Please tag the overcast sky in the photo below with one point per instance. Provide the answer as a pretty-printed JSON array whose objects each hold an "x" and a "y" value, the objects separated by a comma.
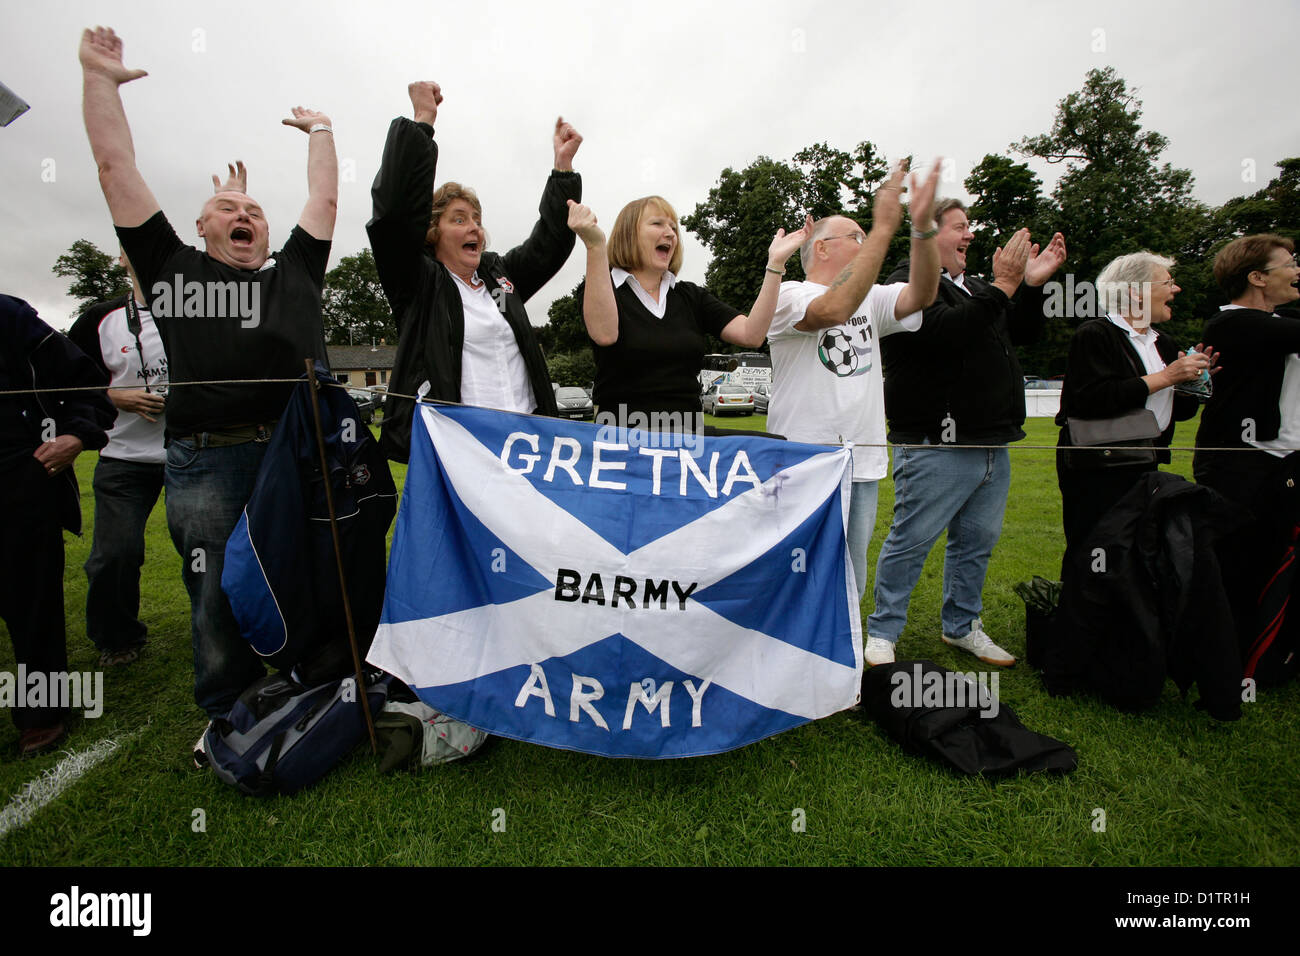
[{"x": 666, "y": 96}]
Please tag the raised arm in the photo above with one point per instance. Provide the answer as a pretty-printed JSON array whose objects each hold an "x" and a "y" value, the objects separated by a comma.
[
  {"x": 835, "y": 306},
  {"x": 599, "y": 310},
  {"x": 750, "y": 330},
  {"x": 317, "y": 218},
  {"x": 923, "y": 267},
  {"x": 402, "y": 197},
  {"x": 130, "y": 201},
  {"x": 533, "y": 262}
]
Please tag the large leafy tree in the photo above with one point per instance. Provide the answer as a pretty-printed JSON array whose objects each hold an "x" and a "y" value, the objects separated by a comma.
[
  {"x": 354, "y": 308},
  {"x": 745, "y": 208},
  {"x": 1115, "y": 196},
  {"x": 96, "y": 275},
  {"x": 564, "y": 340}
]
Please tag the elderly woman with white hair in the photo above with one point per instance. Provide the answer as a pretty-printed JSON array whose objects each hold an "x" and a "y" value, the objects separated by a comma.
[{"x": 1119, "y": 390}]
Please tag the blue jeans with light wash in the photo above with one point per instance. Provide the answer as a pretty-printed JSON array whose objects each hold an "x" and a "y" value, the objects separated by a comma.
[
  {"x": 207, "y": 489},
  {"x": 125, "y": 493},
  {"x": 862, "y": 521},
  {"x": 963, "y": 490}
]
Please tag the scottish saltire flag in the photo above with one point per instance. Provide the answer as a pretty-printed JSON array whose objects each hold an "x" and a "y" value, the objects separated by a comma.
[{"x": 620, "y": 593}]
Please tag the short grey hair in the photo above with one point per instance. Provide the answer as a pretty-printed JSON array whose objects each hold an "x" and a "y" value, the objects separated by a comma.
[
  {"x": 1122, "y": 274},
  {"x": 820, "y": 228},
  {"x": 943, "y": 206}
]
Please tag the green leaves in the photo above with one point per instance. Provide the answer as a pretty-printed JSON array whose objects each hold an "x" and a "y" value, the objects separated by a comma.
[{"x": 96, "y": 275}]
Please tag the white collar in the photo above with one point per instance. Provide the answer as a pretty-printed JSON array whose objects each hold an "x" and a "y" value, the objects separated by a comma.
[
  {"x": 1132, "y": 332},
  {"x": 622, "y": 275}
]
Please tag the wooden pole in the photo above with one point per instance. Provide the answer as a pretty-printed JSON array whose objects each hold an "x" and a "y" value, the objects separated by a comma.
[{"x": 338, "y": 555}]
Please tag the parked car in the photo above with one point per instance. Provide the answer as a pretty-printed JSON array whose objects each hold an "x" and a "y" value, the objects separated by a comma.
[
  {"x": 365, "y": 403},
  {"x": 728, "y": 400},
  {"x": 761, "y": 394},
  {"x": 574, "y": 403}
]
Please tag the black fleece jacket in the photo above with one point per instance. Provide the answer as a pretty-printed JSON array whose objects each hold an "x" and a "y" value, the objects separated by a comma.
[
  {"x": 423, "y": 296},
  {"x": 961, "y": 365}
]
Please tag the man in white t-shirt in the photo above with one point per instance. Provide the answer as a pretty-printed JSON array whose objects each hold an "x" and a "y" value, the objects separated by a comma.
[
  {"x": 827, "y": 386},
  {"x": 121, "y": 338}
]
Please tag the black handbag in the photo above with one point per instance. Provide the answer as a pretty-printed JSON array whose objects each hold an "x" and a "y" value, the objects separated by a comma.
[{"x": 1130, "y": 437}]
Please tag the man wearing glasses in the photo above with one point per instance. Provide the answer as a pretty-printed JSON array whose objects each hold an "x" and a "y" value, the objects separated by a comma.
[
  {"x": 826, "y": 380},
  {"x": 956, "y": 381}
]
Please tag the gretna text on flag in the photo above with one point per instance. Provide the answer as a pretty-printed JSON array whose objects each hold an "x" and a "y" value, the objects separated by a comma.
[{"x": 615, "y": 597}]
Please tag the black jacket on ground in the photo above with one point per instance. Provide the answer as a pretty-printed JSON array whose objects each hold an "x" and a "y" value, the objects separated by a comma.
[
  {"x": 422, "y": 293},
  {"x": 1143, "y": 600},
  {"x": 961, "y": 363}
]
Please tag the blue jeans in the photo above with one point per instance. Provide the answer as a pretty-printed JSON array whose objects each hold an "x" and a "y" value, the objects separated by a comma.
[
  {"x": 862, "y": 521},
  {"x": 125, "y": 493},
  {"x": 963, "y": 490},
  {"x": 207, "y": 489}
]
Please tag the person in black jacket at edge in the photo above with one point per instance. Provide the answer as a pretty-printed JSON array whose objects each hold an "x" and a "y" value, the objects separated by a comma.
[
  {"x": 1256, "y": 408},
  {"x": 40, "y": 437},
  {"x": 1117, "y": 364},
  {"x": 956, "y": 380},
  {"x": 459, "y": 309}
]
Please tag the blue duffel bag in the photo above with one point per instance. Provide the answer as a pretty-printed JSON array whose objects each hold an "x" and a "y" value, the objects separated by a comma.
[{"x": 282, "y": 736}]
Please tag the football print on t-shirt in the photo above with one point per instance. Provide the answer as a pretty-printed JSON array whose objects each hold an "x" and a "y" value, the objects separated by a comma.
[{"x": 846, "y": 349}]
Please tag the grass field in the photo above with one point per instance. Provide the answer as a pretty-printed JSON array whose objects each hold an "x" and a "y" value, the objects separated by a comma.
[{"x": 1176, "y": 788}]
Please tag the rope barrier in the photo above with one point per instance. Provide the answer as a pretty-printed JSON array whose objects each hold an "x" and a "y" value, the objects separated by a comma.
[{"x": 372, "y": 389}]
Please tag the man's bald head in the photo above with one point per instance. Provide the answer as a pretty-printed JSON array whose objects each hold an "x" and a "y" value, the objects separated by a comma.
[{"x": 234, "y": 230}]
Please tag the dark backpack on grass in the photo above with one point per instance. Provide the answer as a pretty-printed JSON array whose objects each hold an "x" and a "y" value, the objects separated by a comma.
[{"x": 282, "y": 736}]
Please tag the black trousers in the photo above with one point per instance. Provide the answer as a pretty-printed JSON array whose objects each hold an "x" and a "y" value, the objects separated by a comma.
[
  {"x": 1256, "y": 481},
  {"x": 31, "y": 580}
]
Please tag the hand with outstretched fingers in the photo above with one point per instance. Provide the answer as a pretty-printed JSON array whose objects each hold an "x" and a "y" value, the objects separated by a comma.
[
  {"x": 1041, "y": 266},
  {"x": 785, "y": 244},
  {"x": 305, "y": 119},
  {"x": 101, "y": 52},
  {"x": 887, "y": 208},
  {"x": 236, "y": 182}
]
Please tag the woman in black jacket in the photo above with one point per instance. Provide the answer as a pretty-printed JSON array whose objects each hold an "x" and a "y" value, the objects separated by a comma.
[
  {"x": 1255, "y": 408},
  {"x": 1118, "y": 364},
  {"x": 460, "y": 309}
]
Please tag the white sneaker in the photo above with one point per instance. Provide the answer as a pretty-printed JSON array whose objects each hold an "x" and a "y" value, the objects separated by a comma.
[
  {"x": 979, "y": 644},
  {"x": 879, "y": 651},
  {"x": 200, "y": 751}
]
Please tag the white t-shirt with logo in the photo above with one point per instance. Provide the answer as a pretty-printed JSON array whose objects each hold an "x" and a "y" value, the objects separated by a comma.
[
  {"x": 827, "y": 384},
  {"x": 132, "y": 438}
]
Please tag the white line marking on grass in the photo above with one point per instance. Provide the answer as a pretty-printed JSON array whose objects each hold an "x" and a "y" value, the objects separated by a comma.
[{"x": 44, "y": 789}]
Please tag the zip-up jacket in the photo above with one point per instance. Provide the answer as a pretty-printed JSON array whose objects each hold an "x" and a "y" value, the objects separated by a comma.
[
  {"x": 425, "y": 302},
  {"x": 33, "y": 355},
  {"x": 960, "y": 366},
  {"x": 280, "y": 572}
]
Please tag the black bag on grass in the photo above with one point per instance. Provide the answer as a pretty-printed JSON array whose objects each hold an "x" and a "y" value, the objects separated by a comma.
[
  {"x": 282, "y": 736},
  {"x": 962, "y": 738}
]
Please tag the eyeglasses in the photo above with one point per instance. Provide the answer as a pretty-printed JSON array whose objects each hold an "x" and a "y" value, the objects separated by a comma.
[
  {"x": 1169, "y": 282},
  {"x": 857, "y": 237},
  {"x": 1295, "y": 261}
]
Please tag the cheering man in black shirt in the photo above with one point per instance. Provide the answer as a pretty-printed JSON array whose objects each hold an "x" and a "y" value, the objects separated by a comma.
[{"x": 230, "y": 312}]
